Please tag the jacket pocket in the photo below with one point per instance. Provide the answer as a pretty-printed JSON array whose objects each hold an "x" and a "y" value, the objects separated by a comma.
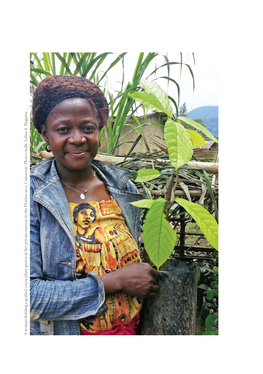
[
  {"x": 42, "y": 328},
  {"x": 46, "y": 327}
]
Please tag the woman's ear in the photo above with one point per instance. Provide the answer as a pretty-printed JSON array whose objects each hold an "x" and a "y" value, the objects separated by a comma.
[{"x": 44, "y": 133}]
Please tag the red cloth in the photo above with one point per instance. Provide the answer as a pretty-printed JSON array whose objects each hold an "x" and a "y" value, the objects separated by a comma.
[{"x": 119, "y": 329}]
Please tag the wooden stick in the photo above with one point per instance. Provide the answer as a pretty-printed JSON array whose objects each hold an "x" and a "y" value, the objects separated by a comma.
[
  {"x": 210, "y": 167},
  {"x": 178, "y": 193}
]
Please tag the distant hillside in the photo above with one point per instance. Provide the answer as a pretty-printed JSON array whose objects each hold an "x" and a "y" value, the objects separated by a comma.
[{"x": 209, "y": 115}]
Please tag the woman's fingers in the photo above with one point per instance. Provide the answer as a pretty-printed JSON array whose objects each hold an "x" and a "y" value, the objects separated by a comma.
[{"x": 137, "y": 279}]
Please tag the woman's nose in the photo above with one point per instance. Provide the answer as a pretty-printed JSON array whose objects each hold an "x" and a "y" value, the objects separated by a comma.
[{"x": 77, "y": 137}]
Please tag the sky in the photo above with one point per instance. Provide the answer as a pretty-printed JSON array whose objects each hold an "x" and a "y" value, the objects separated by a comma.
[
  {"x": 205, "y": 70},
  {"x": 206, "y": 82}
]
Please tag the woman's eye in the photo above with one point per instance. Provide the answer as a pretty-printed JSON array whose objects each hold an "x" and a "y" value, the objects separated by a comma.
[
  {"x": 63, "y": 130},
  {"x": 89, "y": 128}
]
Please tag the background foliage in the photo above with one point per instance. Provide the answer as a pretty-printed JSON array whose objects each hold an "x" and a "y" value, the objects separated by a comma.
[{"x": 96, "y": 67}]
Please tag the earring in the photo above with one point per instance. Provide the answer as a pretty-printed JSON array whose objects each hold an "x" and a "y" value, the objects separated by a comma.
[
  {"x": 99, "y": 144},
  {"x": 48, "y": 149}
]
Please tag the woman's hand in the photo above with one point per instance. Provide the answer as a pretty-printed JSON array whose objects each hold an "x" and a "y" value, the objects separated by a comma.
[{"x": 137, "y": 279}]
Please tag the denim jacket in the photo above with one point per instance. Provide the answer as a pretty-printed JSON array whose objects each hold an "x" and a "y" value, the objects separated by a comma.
[{"x": 57, "y": 299}]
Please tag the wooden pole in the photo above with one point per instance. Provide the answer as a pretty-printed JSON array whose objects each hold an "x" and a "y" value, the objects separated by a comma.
[
  {"x": 209, "y": 167},
  {"x": 178, "y": 193}
]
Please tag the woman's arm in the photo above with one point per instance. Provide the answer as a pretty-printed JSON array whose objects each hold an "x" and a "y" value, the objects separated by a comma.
[{"x": 66, "y": 300}]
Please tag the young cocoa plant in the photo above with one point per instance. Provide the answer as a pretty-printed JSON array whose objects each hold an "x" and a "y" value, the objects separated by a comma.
[{"x": 158, "y": 235}]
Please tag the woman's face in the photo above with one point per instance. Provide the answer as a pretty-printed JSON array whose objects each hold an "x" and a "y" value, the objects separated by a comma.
[
  {"x": 72, "y": 130},
  {"x": 85, "y": 218}
]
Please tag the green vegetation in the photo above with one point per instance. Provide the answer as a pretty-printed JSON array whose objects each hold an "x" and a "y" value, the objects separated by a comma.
[
  {"x": 208, "y": 283},
  {"x": 158, "y": 235}
]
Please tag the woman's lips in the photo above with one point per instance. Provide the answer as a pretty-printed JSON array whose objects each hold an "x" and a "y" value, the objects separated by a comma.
[{"x": 77, "y": 154}]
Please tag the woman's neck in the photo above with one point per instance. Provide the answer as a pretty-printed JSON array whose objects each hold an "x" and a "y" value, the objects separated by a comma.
[{"x": 75, "y": 177}]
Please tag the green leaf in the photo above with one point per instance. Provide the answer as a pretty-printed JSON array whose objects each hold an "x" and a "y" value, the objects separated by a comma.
[
  {"x": 175, "y": 104},
  {"x": 198, "y": 126},
  {"x": 40, "y": 71},
  {"x": 209, "y": 321},
  {"x": 46, "y": 60},
  {"x": 40, "y": 66},
  {"x": 153, "y": 97},
  {"x": 138, "y": 68},
  {"x": 203, "y": 287},
  {"x": 64, "y": 64},
  {"x": 214, "y": 284},
  {"x": 203, "y": 218},
  {"x": 144, "y": 203},
  {"x": 177, "y": 85},
  {"x": 33, "y": 80},
  {"x": 178, "y": 143},
  {"x": 145, "y": 175},
  {"x": 210, "y": 294},
  {"x": 92, "y": 61},
  {"x": 81, "y": 62},
  {"x": 215, "y": 269},
  {"x": 158, "y": 236},
  {"x": 113, "y": 64},
  {"x": 159, "y": 93},
  {"x": 39, "y": 146},
  {"x": 53, "y": 63},
  {"x": 197, "y": 139},
  {"x": 139, "y": 125},
  {"x": 149, "y": 100}
]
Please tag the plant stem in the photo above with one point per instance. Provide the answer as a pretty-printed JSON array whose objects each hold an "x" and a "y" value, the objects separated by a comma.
[
  {"x": 170, "y": 194},
  {"x": 175, "y": 186}
]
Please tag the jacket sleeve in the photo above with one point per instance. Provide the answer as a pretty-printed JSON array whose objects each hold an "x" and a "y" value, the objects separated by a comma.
[{"x": 59, "y": 299}]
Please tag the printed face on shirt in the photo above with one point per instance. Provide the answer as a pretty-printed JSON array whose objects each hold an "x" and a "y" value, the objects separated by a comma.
[{"x": 85, "y": 217}]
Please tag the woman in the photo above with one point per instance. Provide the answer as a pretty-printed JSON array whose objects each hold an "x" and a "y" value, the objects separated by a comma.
[{"x": 86, "y": 273}]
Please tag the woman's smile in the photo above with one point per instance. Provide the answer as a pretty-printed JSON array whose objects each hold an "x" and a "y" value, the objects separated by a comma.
[{"x": 76, "y": 153}]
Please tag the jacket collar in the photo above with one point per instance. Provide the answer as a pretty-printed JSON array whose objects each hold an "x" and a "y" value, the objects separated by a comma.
[
  {"x": 49, "y": 192},
  {"x": 111, "y": 175}
]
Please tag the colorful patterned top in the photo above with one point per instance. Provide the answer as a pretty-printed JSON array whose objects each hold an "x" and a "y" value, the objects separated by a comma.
[{"x": 104, "y": 244}]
